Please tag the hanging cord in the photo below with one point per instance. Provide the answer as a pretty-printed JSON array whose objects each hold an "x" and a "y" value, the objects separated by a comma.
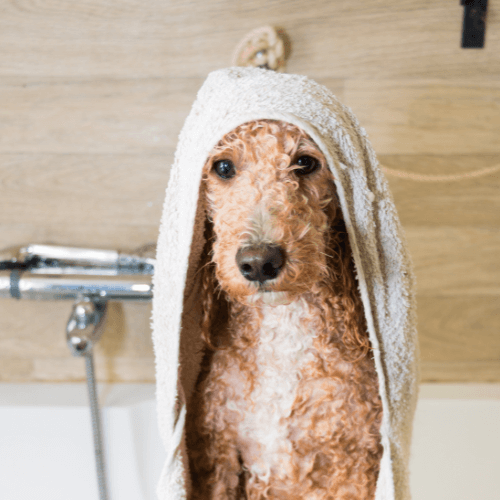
[
  {"x": 439, "y": 178},
  {"x": 263, "y": 48}
]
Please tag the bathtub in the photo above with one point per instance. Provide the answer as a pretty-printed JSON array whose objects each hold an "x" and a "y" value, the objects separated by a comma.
[
  {"x": 46, "y": 450},
  {"x": 46, "y": 446}
]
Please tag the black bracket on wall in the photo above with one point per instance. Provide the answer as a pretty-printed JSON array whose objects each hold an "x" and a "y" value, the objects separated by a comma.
[{"x": 474, "y": 23}]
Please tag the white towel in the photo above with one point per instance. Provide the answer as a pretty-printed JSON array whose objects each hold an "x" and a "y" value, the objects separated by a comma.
[{"x": 229, "y": 98}]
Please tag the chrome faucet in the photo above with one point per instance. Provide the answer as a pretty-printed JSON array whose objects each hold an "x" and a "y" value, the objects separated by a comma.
[
  {"x": 53, "y": 272},
  {"x": 91, "y": 277},
  {"x": 52, "y": 259}
]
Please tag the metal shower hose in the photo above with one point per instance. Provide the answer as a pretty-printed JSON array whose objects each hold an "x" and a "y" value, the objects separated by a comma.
[{"x": 96, "y": 426}]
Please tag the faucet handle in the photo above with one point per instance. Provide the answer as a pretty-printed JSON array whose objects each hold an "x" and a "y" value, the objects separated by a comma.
[{"x": 85, "y": 325}]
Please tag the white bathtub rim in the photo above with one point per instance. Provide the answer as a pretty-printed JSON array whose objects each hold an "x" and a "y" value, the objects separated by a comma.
[{"x": 74, "y": 394}]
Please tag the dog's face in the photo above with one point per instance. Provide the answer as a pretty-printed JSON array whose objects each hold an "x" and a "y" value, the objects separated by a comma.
[{"x": 271, "y": 199}]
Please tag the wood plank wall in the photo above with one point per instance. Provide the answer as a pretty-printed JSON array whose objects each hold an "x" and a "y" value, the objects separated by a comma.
[{"x": 92, "y": 98}]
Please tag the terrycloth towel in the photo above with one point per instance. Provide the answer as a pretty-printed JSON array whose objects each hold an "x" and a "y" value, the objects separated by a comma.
[{"x": 229, "y": 98}]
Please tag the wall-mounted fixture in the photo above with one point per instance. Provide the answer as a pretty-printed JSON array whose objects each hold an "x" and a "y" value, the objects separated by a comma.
[
  {"x": 91, "y": 278},
  {"x": 474, "y": 25}
]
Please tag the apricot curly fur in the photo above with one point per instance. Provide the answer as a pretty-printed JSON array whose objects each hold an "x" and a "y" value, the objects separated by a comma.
[{"x": 290, "y": 357}]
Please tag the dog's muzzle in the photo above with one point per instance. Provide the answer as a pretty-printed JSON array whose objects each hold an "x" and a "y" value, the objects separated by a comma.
[{"x": 260, "y": 262}]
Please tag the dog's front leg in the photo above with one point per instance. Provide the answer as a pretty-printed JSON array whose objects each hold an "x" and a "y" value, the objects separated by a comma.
[
  {"x": 216, "y": 462},
  {"x": 224, "y": 481}
]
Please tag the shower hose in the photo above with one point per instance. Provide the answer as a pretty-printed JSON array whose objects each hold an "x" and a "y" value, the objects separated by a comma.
[{"x": 96, "y": 425}]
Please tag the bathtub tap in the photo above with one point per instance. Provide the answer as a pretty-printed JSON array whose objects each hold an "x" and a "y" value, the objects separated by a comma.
[
  {"x": 91, "y": 277},
  {"x": 49, "y": 272}
]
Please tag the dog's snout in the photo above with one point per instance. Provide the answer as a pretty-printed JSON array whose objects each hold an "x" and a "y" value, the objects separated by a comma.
[{"x": 260, "y": 262}]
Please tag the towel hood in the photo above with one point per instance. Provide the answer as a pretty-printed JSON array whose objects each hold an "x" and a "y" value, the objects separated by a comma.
[{"x": 231, "y": 97}]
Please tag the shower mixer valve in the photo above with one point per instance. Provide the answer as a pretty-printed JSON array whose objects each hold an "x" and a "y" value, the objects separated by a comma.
[
  {"x": 85, "y": 325},
  {"x": 50, "y": 272},
  {"x": 90, "y": 277},
  {"x": 53, "y": 259}
]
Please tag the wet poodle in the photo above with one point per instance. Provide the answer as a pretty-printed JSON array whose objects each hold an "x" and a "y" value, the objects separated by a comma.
[{"x": 287, "y": 403}]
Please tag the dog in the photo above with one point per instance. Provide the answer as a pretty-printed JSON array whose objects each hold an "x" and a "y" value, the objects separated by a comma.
[{"x": 287, "y": 404}]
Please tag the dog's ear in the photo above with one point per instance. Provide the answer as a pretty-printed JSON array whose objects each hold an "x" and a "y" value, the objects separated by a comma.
[
  {"x": 215, "y": 306},
  {"x": 345, "y": 296}
]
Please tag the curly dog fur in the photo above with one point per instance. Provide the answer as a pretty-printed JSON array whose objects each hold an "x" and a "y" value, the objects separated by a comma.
[{"x": 286, "y": 404}]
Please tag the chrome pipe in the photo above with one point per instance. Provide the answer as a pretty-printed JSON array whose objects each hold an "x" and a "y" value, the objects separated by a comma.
[
  {"x": 28, "y": 285},
  {"x": 53, "y": 259}
]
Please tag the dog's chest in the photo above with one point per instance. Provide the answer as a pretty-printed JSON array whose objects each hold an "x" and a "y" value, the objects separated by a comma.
[{"x": 285, "y": 345}]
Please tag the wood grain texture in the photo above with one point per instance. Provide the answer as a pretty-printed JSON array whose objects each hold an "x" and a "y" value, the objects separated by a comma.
[
  {"x": 428, "y": 117},
  {"x": 94, "y": 116},
  {"x": 469, "y": 202},
  {"x": 455, "y": 261},
  {"x": 93, "y": 96},
  {"x": 129, "y": 116},
  {"x": 98, "y": 190},
  {"x": 38, "y": 351},
  {"x": 459, "y": 372},
  {"x": 364, "y": 39},
  {"x": 459, "y": 329},
  {"x": 98, "y": 116}
]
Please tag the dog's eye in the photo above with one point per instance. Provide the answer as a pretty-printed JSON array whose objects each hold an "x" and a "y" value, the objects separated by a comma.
[
  {"x": 224, "y": 169},
  {"x": 308, "y": 164}
]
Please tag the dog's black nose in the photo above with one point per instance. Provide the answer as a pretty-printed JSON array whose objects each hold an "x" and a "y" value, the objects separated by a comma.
[{"x": 260, "y": 262}]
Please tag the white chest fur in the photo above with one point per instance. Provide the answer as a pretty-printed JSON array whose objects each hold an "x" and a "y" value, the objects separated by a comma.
[{"x": 285, "y": 344}]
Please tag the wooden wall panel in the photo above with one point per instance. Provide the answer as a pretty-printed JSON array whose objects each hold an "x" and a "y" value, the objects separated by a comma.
[
  {"x": 88, "y": 190},
  {"x": 93, "y": 96},
  {"x": 459, "y": 328},
  {"x": 33, "y": 343},
  {"x": 94, "y": 116},
  {"x": 456, "y": 261},
  {"x": 471, "y": 202},
  {"x": 110, "y": 116},
  {"x": 459, "y": 372},
  {"x": 428, "y": 117},
  {"x": 163, "y": 38}
]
